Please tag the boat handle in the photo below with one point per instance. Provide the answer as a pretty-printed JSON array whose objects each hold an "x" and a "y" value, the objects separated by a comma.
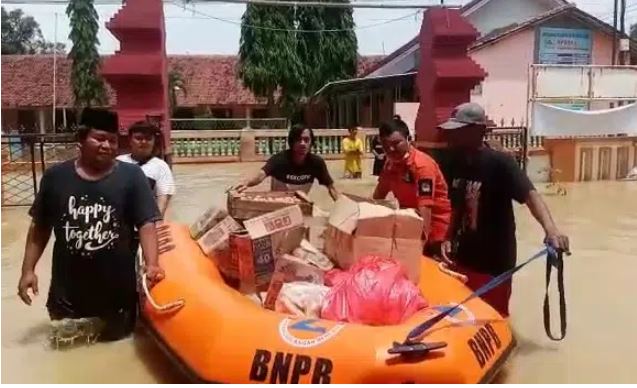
[
  {"x": 170, "y": 306},
  {"x": 179, "y": 303}
]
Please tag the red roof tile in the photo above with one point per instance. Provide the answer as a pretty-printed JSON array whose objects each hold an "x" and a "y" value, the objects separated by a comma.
[{"x": 27, "y": 80}]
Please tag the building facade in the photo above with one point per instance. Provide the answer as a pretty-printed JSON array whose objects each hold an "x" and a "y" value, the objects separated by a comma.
[
  {"x": 513, "y": 35},
  {"x": 209, "y": 89}
]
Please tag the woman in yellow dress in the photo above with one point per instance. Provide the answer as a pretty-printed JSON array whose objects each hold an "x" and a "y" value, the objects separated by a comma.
[{"x": 353, "y": 149}]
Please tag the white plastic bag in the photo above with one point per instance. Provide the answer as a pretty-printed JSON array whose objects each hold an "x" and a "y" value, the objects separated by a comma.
[{"x": 301, "y": 299}]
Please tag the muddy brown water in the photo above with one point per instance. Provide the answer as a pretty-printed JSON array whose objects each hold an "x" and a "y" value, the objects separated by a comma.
[{"x": 600, "y": 218}]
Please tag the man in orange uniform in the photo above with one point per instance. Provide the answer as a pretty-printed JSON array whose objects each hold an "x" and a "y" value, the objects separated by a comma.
[{"x": 416, "y": 181}]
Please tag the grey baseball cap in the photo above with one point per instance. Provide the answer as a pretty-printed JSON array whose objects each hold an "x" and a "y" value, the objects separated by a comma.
[{"x": 465, "y": 114}]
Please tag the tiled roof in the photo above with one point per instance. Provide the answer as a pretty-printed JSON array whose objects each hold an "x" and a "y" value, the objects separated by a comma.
[{"x": 27, "y": 80}]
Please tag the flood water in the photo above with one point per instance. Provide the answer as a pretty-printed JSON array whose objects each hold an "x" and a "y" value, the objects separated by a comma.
[{"x": 600, "y": 218}]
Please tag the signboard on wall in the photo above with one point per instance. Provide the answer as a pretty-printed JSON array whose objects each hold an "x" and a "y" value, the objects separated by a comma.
[{"x": 565, "y": 46}]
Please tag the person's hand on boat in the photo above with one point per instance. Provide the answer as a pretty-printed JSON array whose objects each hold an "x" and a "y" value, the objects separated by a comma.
[
  {"x": 239, "y": 188},
  {"x": 28, "y": 280},
  {"x": 445, "y": 252},
  {"x": 154, "y": 273},
  {"x": 558, "y": 241}
]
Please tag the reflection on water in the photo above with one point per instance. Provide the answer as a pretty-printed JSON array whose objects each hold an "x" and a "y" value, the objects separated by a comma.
[{"x": 600, "y": 218}]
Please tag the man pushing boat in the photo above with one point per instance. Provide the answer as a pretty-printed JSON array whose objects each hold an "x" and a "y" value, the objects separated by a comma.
[
  {"x": 295, "y": 168},
  {"x": 481, "y": 240},
  {"x": 92, "y": 204},
  {"x": 415, "y": 180}
]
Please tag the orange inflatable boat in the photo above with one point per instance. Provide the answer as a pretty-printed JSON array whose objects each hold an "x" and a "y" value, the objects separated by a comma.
[{"x": 218, "y": 335}]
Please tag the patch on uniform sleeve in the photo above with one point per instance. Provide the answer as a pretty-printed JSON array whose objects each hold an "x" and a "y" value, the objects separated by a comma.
[{"x": 425, "y": 187}]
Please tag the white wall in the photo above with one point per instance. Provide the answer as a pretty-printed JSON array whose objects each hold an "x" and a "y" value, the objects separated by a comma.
[{"x": 500, "y": 13}]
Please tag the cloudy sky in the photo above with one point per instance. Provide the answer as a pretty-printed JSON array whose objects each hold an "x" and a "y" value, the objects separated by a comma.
[{"x": 214, "y": 28}]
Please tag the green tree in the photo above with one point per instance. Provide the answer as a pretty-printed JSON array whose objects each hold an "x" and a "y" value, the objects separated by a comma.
[
  {"x": 268, "y": 62},
  {"x": 295, "y": 51},
  {"x": 21, "y": 34},
  {"x": 88, "y": 85},
  {"x": 330, "y": 55}
]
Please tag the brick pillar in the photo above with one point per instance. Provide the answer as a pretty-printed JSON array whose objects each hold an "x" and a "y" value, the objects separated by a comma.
[{"x": 446, "y": 73}]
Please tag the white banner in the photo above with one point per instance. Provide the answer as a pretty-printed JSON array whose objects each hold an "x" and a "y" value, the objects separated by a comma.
[{"x": 552, "y": 121}]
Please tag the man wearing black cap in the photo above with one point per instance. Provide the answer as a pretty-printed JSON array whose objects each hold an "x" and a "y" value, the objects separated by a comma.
[
  {"x": 92, "y": 204},
  {"x": 481, "y": 239}
]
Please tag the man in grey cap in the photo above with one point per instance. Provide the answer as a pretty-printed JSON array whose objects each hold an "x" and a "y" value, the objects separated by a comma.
[{"x": 481, "y": 240}]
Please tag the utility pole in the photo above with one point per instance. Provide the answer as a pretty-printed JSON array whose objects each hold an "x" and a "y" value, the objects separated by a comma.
[
  {"x": 622, "y": 29},
  {"x": 614, "y": 58}
]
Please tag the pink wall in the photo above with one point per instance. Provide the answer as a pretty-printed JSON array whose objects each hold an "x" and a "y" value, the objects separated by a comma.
[
  {"x": 602, "y": 48},
  {"x": 504, "y": 91}
]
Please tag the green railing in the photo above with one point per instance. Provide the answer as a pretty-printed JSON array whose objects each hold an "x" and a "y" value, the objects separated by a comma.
[
  {"x": 199, "y": 124},
  {"x": 205, "y": 144},
  {"x": 327, "y": 142}
]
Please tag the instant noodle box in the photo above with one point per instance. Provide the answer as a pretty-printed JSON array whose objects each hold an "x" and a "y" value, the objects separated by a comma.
[
  {"x": 247, "y": 205},
  {"x": 264, "y": 239}
]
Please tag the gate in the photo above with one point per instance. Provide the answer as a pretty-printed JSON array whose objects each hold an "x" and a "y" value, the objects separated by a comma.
[
  {"x": 25, "y": 157},
  {"x": 514, "y": 140}
]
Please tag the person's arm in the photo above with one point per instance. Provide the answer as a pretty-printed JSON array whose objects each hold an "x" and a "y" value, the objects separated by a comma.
[
  {"x": 37, "y": 238},
  {"x": 162, "y": 204},
  {"x": 145, "y": 214},
  {"x": 165, "y": 188},
  {"x": 433, "y": 204},
  {"x": 324, "y": 178},
  {"x": 333, "y": 192},
  {"x": 253, "y": 180},
  {"x": 523, "y": 191},
  {"x": 541, "y": 213},
  {"x": 382, "y": 187},
  {"x": 268, "y": 169},
  {"x": 360, "y": 146}
]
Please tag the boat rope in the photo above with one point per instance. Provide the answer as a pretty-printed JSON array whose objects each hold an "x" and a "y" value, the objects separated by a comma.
[{"x": 553, "y": 259}]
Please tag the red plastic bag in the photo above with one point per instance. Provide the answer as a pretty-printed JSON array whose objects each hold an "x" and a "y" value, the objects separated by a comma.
[{"x": 374, "y": 291}]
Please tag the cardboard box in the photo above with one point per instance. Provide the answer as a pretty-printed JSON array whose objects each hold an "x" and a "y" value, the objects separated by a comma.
[
  {"x": 207, "y": 220},
  {"x": 255, "y": 249},
  {"x": 214, "y": 243},
  {"x": 316, "y": 224},
  {"x": 309, "y": 254},
  {"x": 247, "y": 205},
  {"x": 359, "y": 228}
]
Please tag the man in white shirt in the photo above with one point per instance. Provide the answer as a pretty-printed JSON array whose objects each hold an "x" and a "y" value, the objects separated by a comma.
[{"x": 144, "y": 145}]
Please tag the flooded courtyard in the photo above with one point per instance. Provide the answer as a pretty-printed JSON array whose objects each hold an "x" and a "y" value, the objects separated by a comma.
[{"x": 600, "y": 219}]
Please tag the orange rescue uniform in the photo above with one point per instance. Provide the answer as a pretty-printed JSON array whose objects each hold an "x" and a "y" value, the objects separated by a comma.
[{"x": 419, "y": 183}]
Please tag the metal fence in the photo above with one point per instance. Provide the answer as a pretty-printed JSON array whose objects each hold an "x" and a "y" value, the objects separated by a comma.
[{"x": 25, "y": 157}]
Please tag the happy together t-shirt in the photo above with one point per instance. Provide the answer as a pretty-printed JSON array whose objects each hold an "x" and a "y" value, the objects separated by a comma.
[
  {"x": 287, "y": 175},
  {"x": 93, "y": 269}
]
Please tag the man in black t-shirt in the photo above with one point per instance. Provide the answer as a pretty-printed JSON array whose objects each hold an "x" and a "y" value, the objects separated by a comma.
[
  {"x": 295, "y": 168},
  {"x": 481, "y": 241},
  {"x": 92, "y": 204}
]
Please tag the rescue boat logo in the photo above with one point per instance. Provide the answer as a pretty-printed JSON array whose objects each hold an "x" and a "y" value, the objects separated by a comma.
[{"x": 307, "y": 333}]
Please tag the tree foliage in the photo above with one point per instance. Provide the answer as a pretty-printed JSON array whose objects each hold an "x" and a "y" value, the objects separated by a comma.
[
  {"x": 88, "y": 86},
  {"x": 21, "y": 34},
  {"x": 295, "y": 51},
  {"x": 267, "y": 59}
]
